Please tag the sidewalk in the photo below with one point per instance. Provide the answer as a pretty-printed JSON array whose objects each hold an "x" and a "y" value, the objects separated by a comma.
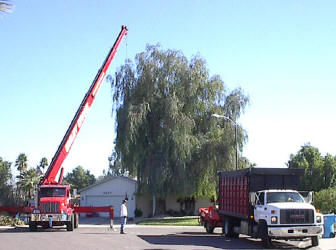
[
  {"x": 102, "y": 221},
  {"x": 87, "y": 222}
]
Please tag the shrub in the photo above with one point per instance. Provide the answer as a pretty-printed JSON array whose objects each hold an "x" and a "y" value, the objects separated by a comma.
[
  {"x": 138, "y": 212},
  {"x": 9, "y": 221},
  {"x": 325, "y": 200},
  {"x": 174, "y": 213}
]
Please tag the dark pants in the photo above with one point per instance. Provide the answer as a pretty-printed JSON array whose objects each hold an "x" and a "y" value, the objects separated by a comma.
[{"x": 123, "y": 223}]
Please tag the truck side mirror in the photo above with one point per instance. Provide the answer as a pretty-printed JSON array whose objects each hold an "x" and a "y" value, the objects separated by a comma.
[
  {"x": 252, "y": 198},
  {"x": 74, "y": 192},
  {"x": 310, "y": 197},
  {"x": 36, "y": 197}
]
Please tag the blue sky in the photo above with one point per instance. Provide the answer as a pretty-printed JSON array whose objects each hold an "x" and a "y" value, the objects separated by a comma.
[{"x": 281, "y": 53}]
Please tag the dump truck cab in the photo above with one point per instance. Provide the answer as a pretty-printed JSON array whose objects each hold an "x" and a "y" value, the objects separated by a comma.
[{"x": 286, "y": 214}]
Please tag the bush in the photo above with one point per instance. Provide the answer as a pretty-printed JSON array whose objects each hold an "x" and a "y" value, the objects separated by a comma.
[
  {"x": 325, "y": 200},
  {"x": 9, "y": 221},
  {"x": 174, "y": 213},
  {"x": 170, "y": 212},
  {"x": 138, "y": 212}
]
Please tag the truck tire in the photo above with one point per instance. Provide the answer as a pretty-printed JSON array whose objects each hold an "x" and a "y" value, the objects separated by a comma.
[
  {"x": 263, "y": 234},
  {"x": 315, "y": 241},
  {"x": 71, "y": 224},
  {"x": 32, "y": 226},
  {"x": 209, "y": 228},
  {"x": 76, "y": 220},
  {"x": 228, "y": 228}
]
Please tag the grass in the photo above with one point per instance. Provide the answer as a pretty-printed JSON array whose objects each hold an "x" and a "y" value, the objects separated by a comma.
[{"x": 170, "y": 222}]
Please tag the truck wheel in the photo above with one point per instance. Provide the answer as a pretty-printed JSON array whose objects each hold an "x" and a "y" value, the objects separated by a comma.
[
  {"x": 228, "y": 228},
  {"x": 209, "y": 228},
  {"x": 71, "y": 224},
  {"x": 315, "y": 241},
  {"x": 45, "y": 225},
  {"x": 76, "y": 220},
  {"x": 32, "y": 226},
  {"x": 263, "y": 233}
]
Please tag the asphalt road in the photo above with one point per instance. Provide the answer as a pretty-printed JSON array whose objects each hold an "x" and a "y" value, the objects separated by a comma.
[{"x": 138, "y": 237}]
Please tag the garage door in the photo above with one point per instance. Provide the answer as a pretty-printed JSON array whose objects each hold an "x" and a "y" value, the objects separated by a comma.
[{"x": 102, "y": 201}]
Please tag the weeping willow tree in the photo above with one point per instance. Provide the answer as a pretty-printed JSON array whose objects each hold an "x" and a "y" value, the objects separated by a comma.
[
  {"x": 6, "y": 6},
  {"x": 166, "y": 136}
]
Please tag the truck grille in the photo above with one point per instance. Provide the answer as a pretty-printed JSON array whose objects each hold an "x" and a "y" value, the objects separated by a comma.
[
  {"x": 296, "y": 216},
  {"x": 50, "y": 207}
]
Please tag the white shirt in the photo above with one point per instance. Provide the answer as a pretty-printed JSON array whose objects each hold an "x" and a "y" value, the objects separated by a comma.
[{"x": 123, "y": 210}]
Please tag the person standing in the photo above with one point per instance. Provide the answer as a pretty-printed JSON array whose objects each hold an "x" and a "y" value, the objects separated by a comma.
[{"x": 123, "y": 216}]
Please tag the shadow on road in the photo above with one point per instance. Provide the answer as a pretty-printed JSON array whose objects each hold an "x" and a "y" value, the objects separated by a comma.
[
  {"x": 26, "y": 230},
  {"x": 199, "y": 239},
  {"x": 207, "y": 240}
]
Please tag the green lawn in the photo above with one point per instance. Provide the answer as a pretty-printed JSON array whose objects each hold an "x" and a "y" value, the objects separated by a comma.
[{"x": 171, "y": 222}]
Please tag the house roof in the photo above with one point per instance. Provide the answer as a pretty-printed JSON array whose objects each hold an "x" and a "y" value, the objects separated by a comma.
[{"x": 106, "y": 179}]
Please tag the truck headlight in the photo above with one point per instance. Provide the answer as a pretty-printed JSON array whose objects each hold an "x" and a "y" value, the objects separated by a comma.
[
  {"x": 318, "y": 218},
  {"x": 274, "y": 219}
]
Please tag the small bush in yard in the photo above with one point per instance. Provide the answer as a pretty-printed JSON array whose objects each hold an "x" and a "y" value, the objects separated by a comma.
[
  {"x": 138, "y": 213},
  {"x": 9, "y": 221},
  {"x": 325, "y": 200}
]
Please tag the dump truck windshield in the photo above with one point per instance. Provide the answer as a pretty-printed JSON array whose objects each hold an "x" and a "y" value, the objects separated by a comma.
[
  {"x": 274, "y": 197},
  {"x": 52, "y": 192}
]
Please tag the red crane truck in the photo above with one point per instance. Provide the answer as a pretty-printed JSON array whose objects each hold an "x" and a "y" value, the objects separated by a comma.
[
  {"x": 263, "y": 203},
  {"x": 53, "y": 201}
]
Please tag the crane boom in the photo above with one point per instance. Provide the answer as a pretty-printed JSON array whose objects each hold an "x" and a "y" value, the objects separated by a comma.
[{"x": 76, "y": 124}]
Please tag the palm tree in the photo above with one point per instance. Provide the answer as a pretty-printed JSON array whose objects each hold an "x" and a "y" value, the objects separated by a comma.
[
  {"x": 5, "y": 6},
  {"x": 27, "y": 183},
  {"x": 21, "y": 163},
  {"x": 43, "y": 164}
]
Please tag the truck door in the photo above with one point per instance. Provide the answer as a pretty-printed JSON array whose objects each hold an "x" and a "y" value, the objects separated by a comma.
[{"x": 259, "y": 206}]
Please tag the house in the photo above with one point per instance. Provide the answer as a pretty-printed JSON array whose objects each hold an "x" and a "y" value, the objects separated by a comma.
[
  {"x": 111, "y": 191},
  {"x": 171, "y": 205}
]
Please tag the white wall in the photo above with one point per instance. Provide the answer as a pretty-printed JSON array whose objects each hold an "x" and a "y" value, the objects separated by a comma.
[{"x": 111, "y": 192}]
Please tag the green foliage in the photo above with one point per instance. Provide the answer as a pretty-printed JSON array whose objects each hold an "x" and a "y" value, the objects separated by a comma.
[
  {"x": 329, "y": 171},
  {"x": 28, "y": 180},
  {"x": 115, "y": 166},
  {"x": 138, "y": 212},
  {"x": 325, "y": 200},
  {"x": 9, "y": 221},
  {"x": 171, "y": 222},
  {"x": 21, "y": 163},
  {"x": 165, "y": 133},
  {"x": 6, "y": 6},
  {"x": 79, "y": 178},
  {"x": 43, "y": 164},
  {"x": 6, "y": 190},
  {"x": 320, "y": 173}
]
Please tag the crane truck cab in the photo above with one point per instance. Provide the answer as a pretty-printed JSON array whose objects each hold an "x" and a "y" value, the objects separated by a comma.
[{"x": 53, "y": 208}]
